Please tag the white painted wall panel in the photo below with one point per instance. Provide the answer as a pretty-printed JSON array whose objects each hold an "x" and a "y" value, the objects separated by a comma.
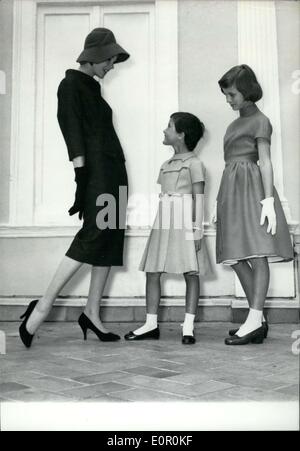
[
  {"x": 130, "y": 91},
  {"x": 60, "y": 39}
]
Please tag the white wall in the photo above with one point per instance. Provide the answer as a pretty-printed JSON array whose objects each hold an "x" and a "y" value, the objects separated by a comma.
[{"x": 288, "y": 32}]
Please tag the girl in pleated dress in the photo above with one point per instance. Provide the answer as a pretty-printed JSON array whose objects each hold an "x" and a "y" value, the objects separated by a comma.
[
  {"x": 251, "y": 226},
  {"x": 175, "y": 242}
]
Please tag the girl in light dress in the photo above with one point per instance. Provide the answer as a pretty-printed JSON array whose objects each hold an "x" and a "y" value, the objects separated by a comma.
[{"x": 175, "y": 244}]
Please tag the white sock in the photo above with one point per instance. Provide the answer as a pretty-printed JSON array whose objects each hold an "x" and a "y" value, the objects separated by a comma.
[
  {"x": 150, "y": 324},
  {"x": 188, "y": 325},
  {"x": 252, "y": 322},
  {"x": 263, "y": 319}
]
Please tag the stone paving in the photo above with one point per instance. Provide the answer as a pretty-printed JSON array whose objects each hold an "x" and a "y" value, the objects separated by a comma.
[{"x": 61, "y": 366}]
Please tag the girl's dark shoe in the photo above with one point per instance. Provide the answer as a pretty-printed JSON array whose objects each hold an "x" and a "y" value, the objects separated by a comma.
[
  {"x": 25, "y": 336},
  {"x": 256, "y": 336},
  {"x": 152, "y": 334},
  {"x": 188, "y": 340},
  {"x": 85, "y": 323},
  {"x": 264, "y": 325}
]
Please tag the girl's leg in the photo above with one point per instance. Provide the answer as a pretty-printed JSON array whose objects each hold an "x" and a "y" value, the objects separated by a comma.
[
  {"x": 152, "y": 302},
  {"x": 153, "y": 292},
  {"x": 192, "y": 298},
  {"x": 192, "y": 293},
  {"x": 99, "y": 275},
  {"x": 245, "y": 274},
  {"x": 261, "y": 278},
  {"x": 64, "y": 272}
]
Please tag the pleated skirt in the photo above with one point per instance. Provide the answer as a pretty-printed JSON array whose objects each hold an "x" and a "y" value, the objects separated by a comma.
[{"x": 170, "y": 247}]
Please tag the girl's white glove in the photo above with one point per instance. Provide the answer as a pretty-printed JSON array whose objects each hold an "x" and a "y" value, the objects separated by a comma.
[
  {"x": 268, "y": 212},
  {"x": 213, "y": 218}
]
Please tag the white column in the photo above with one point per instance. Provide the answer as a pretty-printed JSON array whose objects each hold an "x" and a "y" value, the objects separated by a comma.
[
  {"x": 257, "y": 47},
  {"x": 2, "y": 83},
  {"x": 23, "y": 104}
]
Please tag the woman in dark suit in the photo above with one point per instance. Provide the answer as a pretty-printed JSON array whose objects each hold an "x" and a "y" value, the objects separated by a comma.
[{"x": 85, "y": 119}]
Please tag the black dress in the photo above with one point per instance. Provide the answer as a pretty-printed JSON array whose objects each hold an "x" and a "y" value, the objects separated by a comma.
[{"x": 85, "y": 119}]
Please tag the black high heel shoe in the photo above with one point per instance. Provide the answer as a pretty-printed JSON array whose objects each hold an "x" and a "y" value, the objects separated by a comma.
[
  {"x": 264, "y": 325},
  {"x": 256, "y": 336},
  {"x": 25, "y": 336},
  {"x": 85, "y": 323}
]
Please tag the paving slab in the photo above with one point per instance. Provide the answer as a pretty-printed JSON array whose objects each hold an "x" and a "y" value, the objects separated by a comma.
[{"x": 61, "y": 366}]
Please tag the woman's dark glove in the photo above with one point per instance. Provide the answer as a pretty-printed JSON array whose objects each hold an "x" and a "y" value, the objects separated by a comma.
[{"x": 81, "y": 180}]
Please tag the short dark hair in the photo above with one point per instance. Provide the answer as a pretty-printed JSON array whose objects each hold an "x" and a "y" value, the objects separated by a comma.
[
  {"x": 245, "y": 81},
  {"x": 191, "y": 126}
]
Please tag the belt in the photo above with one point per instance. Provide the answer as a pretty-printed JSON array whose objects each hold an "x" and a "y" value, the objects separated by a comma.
[
  {"x": 170, "y": 194},
  {"x": 241, "y": 160}
]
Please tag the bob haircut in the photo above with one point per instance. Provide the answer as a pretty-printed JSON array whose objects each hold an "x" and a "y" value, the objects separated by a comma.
[
  {"x": 191, "y": 126},
  {"x": 245, "y": 81}
]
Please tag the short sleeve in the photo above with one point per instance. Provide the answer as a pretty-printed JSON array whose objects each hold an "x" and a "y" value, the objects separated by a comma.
[
  {"x": 197, "y": 170},
  {"x": 263, "y": 129},
  {"x": 70, "y": 120},
  {"x": 159, "y": 178}
]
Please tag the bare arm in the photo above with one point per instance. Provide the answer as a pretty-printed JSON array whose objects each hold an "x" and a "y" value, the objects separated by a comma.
[
  {"x": 198, "y": 211},
  {"x": 266, "y": 170},
  {"x": 265, "y": 166},
  {"x": 197, "y": 188}
]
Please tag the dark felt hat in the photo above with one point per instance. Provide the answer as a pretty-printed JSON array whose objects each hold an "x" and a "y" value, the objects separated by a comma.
[{"x": 101, "y": 45}]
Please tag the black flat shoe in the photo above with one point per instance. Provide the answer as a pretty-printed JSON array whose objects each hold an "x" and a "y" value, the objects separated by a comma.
[
  {"x": 264, "y": 325},
  {"x": 152, "y": 334},
  {"x": 85, "y": 323},
  {"x": 188, "y": 340},
  {"x": 256, "y": 336},
  {"x": 25, "y": 336}
]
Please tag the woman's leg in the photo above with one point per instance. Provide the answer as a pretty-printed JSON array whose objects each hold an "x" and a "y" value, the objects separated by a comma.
[
  {"x": 99, "y": 275},
  {"x": 152, "y": 302},
  {"x": 192, "y": 298},
  {"x": 63, "y": 274},
  {"x": 260, "y": 284}
]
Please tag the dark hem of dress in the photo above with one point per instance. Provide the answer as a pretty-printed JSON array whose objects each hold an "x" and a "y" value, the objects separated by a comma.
[{"x": 93, "y": 262}]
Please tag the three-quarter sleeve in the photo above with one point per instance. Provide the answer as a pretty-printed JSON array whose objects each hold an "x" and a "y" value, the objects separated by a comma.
[
  {"x": 263, "y": 128},
  {"x": 70, "y": 119},
  {"x": 197, "y": 170}
]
